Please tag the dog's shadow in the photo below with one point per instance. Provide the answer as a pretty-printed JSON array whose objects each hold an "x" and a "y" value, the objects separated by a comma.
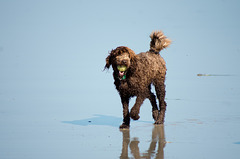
[
  {"x": 158, "y": 138},
  {"x": 98, "y": 119}
]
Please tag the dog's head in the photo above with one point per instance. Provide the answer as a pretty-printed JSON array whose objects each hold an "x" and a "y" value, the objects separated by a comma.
[{"x": 121, "y": 60}]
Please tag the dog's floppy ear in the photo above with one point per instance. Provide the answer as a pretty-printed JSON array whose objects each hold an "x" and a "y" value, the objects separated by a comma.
[
  {"x": 108, "y": 63},
  {"x": 109, "y": 60}
]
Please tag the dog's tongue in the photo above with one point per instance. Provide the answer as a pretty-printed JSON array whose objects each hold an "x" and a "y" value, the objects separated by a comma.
[{"x": 121, "y": 73}]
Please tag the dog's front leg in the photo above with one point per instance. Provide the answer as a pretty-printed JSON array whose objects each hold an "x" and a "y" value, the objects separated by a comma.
[
  {"x": 136, "y": 108},
  {"x": 126, "y": 117}
]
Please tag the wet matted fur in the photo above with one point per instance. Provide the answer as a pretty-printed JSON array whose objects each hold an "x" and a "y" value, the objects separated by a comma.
[{"x": 134, "y": 73}]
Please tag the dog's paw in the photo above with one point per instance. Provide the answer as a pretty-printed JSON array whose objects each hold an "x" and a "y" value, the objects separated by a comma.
[
  {"x": 134, "y": 114},
  {"x": 124, "y": 126},
  {"x": 158, "y": 122}
]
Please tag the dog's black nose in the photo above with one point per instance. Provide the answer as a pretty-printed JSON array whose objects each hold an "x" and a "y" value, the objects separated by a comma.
[{"x": 124, "y": 62}]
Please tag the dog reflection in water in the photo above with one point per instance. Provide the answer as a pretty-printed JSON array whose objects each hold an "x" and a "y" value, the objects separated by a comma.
[{"x": 158, "y": 138}]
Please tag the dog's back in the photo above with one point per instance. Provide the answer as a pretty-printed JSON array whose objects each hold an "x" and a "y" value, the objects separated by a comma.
[
  {"x": 155, "y": 62},
  {"x": 149, "y": 67},
  {"x": 150, "y": 64}
]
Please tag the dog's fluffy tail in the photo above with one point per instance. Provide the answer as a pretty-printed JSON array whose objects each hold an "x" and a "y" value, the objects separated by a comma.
[{"x": 158, "y": 41}]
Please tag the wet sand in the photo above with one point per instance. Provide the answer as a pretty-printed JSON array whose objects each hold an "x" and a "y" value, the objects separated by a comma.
[{"x": 202, "y": 122}]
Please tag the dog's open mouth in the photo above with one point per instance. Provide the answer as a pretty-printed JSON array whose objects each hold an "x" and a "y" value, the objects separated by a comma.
[{"x": 122, "y": 71}]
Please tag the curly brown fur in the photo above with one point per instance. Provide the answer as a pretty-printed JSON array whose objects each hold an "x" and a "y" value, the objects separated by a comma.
[{"x": 142, "y": 70}]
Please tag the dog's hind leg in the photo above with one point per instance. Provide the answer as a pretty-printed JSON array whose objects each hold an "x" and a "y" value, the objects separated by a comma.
[
  {"x": 152, "y": 99},
  {"x": 160, "y": 91},
  {"x": 126, "y": 116}
]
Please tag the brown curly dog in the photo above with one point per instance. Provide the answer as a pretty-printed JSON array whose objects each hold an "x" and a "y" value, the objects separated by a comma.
[{"x": 134, "y": 74}]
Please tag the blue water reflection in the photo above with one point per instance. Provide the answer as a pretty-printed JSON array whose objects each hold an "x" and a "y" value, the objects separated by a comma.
[{"x": 155, "y": 149}]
